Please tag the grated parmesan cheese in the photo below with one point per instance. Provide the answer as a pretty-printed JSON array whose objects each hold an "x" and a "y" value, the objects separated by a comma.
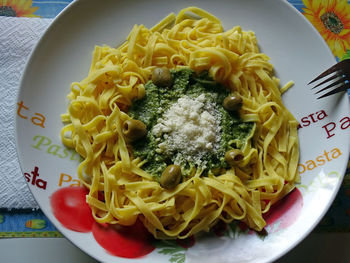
[{"x": 190, "y": 128}]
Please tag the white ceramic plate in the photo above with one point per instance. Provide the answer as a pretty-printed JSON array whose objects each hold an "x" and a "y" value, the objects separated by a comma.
[{"x": 296, "y": 50}]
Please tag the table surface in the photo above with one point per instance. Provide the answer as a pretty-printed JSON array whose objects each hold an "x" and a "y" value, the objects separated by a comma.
[{"x": 319, "y": 246}]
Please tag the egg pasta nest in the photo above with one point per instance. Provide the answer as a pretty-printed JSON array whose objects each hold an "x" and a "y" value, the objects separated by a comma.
[{"x": 120, "y": 191}]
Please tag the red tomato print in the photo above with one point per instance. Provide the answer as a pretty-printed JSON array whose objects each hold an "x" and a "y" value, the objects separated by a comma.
[
  {"x": 281, "y": 215},
  {"x": 285, "y": 212},
  {"x": 71, "y": 210},
  {"x": 124, "y": 241}
]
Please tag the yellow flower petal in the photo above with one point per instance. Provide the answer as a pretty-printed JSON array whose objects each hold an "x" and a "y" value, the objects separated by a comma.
[
  {"x": 323, "y": 10},
  {"x": 26, "y": 5},
  {"x": 31, "y": 15},
  {"x": 339, "y": 48},
  {"x": 347, "y": 45},
  {"x": 336, "y": 35},
  {"x": 316, "y": 4},
  {"x": 344, "y": 32},
  {"x": 21, "y": 7},
  {"x": 23, "y": 2}
]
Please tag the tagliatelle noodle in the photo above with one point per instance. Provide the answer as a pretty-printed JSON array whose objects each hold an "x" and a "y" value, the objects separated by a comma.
[{"x": 120, "y": 191}]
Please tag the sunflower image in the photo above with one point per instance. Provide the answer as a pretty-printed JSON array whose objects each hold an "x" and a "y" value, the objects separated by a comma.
[
  {"x": 332, "y": 19},
  {"x": 17, "y": 8}
]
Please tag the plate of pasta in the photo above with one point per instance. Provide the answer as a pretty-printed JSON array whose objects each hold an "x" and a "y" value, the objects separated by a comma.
[{"x": 167, "y": 131}]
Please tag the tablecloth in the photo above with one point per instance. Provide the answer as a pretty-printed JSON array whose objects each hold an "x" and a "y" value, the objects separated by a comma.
[
  {"x": 330, "y": 18},
  {"x": 17, "y": 39}
]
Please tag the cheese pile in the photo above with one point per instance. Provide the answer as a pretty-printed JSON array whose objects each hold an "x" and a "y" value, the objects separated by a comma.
[{"x": 189, "y": 129}]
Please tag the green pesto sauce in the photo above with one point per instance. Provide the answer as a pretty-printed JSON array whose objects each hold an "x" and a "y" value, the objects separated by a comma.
[{"x": 156, "y": 102}]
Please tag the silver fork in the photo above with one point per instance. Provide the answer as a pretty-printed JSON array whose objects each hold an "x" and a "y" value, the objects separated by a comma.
[{"x": 339, "y": 75}]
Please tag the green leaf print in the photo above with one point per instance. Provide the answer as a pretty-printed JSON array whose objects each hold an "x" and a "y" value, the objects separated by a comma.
[{"x": 173, "y": 249}]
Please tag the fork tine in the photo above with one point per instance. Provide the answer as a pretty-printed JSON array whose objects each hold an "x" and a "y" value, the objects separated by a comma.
[
  {"x": 325, "y": 81},
  {"x": 336, "y": 90},
  {"x": 325, "y": 73},
  {"x": 342, "y": 64},
  {"x": 341, "y": 80}
]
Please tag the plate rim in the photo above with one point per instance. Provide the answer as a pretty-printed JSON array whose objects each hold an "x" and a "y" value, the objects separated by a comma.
[{"x": 62, "y": 229}]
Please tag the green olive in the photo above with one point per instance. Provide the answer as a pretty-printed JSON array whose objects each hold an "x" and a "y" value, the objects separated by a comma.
[
  {"x": 171, "y": 176},
  {"x": 134, "y": 129},
  {"x": 232, "y": 102},
  {"x": 234, "y": 156},
  {"x": 161, "y": 77}
]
